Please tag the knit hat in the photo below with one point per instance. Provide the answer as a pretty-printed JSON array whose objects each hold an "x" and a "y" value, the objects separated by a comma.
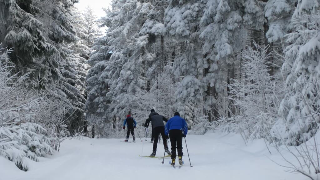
[{"x": 128, "y": 115}]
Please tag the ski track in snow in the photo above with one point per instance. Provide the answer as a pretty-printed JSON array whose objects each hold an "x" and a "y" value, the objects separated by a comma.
[{"x": 214, "y": 156}]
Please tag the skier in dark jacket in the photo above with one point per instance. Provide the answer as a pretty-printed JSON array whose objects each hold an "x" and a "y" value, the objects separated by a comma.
[
  {"x": 177, "y": 128},
  {"x": 157, "y": 128},
  {"x": 131, "y": 124}
]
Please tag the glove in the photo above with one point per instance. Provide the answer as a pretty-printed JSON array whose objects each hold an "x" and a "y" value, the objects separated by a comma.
[
  {"x": 183, "y": 135},
  {"x": 166, "y": 136},
  {"x": 123, "y": 127}
]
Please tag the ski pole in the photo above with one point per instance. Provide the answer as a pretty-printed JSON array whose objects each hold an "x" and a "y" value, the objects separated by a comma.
[
  {"x": 146, "y": 130},
  {"x": 164, "y": 154},
  {"x": 187, "y": 151},
  {"x": 138, "y": 132},
  {"x": 142, "y": 147},
  {"x": 125, "y": 134}
]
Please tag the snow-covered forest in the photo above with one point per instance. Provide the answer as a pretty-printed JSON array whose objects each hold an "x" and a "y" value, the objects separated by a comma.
[{"x": 249, "y": 67}]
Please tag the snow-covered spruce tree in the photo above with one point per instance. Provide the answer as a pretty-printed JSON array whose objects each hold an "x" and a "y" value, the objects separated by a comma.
[
  {"x": 80, "y": 46},
  {"x": 255, "y": 95},
  {"x": 20, "y": 137},
  {"x": 161, "y": 96},
  {"x": 210, "y": 66},
  {"x": 59, "y": 18},
  {"x": 97, "y": 87},
  {"x": 299, "y": 109},
  {"x": 90, "y": 28},
  {"x": 157, "y": 70},
  {"x": 124, "y": 61},
  {"x": 189, "y": 96},
  {"x": 108, "y": 93},
  {"x": 24, "y": 33},
  {"x": 223, "y": 34},
  {"x": 253, "y": 15},
  {"x": 87, "y": 30},
  {"x": 278, "y": 13},
  {"x": 22, "y": 141},
  {"x": 52, "y": 113},
  {"x": 183, "y": 53},
  {"x": 45, "y": 28},
  {"x": 154, "y": 54}
]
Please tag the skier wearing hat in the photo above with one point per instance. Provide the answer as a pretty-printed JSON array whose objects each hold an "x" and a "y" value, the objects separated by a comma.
[
  {"x": 157, "y": 129},
  {"x": 131, "y": 124}
]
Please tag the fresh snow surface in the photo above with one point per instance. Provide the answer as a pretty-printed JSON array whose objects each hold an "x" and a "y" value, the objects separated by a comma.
[{"x": 213, "y": 156}]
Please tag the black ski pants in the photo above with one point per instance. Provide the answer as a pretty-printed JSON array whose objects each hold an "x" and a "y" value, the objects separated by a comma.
[
  {"x": 130, "y": 129},
  {"x": 152, "y": 134},
  {"x": 156, "y": 132},
  {"x": 176, "y": 142}
]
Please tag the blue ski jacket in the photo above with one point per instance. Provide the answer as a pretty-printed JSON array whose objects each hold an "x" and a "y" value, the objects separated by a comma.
[
  {"x": 131, "y": 123},
  {"x": 176, "y": 122}
]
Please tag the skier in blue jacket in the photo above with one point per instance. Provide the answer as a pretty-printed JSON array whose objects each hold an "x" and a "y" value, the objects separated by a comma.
[
  {"x": 131, "y": 124},
  {"x": 177, "y": 128}
]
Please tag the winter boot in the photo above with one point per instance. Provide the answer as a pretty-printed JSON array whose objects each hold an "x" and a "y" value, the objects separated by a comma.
[
  {"x": 167, "y": 151},
  {"x": 180, "y": 160},
  {"x": 153, "y": 154},
  {"x": 173, "y": 162},
  {"x": 134, "y": 139}
]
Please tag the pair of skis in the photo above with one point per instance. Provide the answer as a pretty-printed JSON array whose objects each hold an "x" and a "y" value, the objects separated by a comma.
[
  {"x": 174, "y": 166},
  {"x": 156, "y": 156},
  {"x": 127, "y": 141}
]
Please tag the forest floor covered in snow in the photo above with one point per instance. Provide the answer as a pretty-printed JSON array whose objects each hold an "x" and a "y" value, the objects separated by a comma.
[{"x": 213, "y": 156}]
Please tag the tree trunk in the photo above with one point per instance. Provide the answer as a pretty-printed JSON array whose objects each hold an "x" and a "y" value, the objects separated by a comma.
[{"x": 4, "y": 13}]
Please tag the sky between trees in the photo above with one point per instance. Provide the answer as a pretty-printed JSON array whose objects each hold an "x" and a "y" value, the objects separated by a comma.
[{"x": 96, "y": 5}]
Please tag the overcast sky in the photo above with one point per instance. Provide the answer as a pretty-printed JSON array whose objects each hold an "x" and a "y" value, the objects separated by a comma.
[{"x": 96, "y": 5}]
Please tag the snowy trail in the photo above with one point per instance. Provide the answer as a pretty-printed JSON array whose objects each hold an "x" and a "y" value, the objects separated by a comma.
[{"x": 213, "y": 156}]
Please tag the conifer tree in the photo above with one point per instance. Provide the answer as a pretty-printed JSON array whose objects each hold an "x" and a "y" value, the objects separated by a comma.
[
  {"x": 40, "y": 34},
  {"x": 300, "y": 106}
]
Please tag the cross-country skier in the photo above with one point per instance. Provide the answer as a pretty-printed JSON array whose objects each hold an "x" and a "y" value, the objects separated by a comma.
[
  {"x": 131, "y": 124},
  {"x": 157, "y": 129},
  {"x": 177, "y": 128}
]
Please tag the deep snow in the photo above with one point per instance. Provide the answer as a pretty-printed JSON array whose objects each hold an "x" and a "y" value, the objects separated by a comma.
[{"x": 213, "y": 156}]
